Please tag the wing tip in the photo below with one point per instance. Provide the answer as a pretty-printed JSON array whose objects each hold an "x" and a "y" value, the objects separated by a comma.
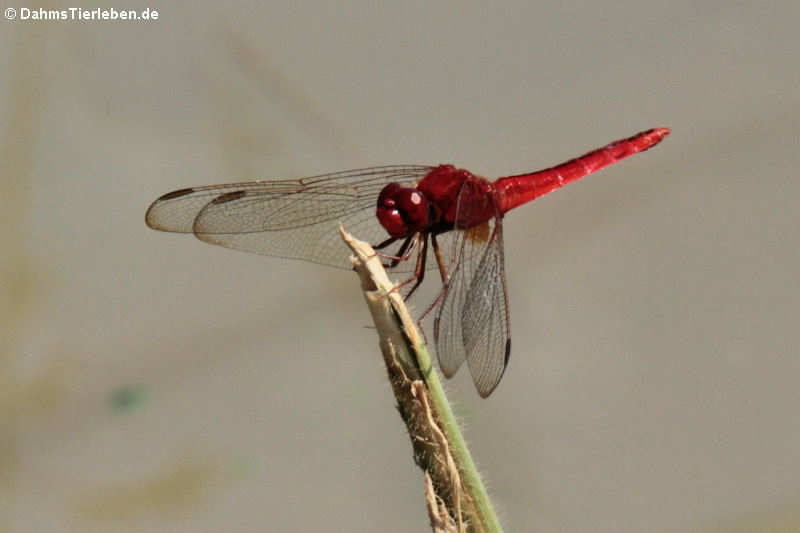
[
  {"x": 150, "y": 215},
  {"x": 485, "y": 393},
  {"x": 447, "y": 370}
]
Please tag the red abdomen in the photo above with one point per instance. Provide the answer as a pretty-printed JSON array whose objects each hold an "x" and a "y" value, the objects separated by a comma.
[{"x": 517, "y": 190}]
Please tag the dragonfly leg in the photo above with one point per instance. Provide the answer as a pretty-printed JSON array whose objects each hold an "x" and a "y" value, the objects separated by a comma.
[
  {"x": 419, "y": 270},
  {"x": 402, "y": 254},
  {"x": 430, "y": 308},
  {"x": 443, "y": 273},
  {"x": 385, "y": 243},
  {"x": 439, "y": 260}
]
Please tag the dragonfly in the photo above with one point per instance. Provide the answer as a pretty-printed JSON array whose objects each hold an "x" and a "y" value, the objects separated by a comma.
[{"x": 407, "y": 211}]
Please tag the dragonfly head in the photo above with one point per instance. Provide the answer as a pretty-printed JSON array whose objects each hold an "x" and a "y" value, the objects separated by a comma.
[{"x": 403, "y": 211}]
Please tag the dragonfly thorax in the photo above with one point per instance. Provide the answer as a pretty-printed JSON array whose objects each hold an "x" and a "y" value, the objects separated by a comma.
[{"x": 403, "y": 211}]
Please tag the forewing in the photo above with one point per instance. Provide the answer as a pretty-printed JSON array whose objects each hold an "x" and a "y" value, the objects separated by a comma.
[
  {"x": 447, "y": 325},
  {"x": 286, "y": 218}
]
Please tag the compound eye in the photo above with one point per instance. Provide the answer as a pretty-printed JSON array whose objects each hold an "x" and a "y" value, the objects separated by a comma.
[
  {"x": 402, "y": 210},
  {"x": 389, "y": 210},
  {"x": 415, "y": 209},
  {"x": 392, "y": 221}
]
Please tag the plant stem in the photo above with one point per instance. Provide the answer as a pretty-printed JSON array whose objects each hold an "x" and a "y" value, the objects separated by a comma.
[{"x": 439, "y": 447}]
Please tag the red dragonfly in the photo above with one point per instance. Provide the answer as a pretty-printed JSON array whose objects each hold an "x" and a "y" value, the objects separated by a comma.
[{"x": 403, "y": 209}]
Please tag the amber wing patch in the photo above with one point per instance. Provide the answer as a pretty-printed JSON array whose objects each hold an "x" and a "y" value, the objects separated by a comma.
[{"x": 479, "y": 233}]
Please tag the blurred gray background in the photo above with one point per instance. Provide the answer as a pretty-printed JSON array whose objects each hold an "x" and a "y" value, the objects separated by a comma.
[{"x": 150, "y": 382}]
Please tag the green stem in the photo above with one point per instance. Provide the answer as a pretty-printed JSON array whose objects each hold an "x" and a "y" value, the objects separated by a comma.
[{"x": 469, "y": 472}]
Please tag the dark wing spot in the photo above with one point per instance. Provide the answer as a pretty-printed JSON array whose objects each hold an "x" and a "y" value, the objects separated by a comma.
[
  {"x": 508, "y": 353},
  {"x": 176, "y": 194},
  {"x": 228, "y": 197}
]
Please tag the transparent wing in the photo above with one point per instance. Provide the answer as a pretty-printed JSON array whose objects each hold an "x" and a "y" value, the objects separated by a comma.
[
  {"x": 286, "y": 218},
  {"x": 472, "y": 322},
  {"x": 484, "y": 319}
]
